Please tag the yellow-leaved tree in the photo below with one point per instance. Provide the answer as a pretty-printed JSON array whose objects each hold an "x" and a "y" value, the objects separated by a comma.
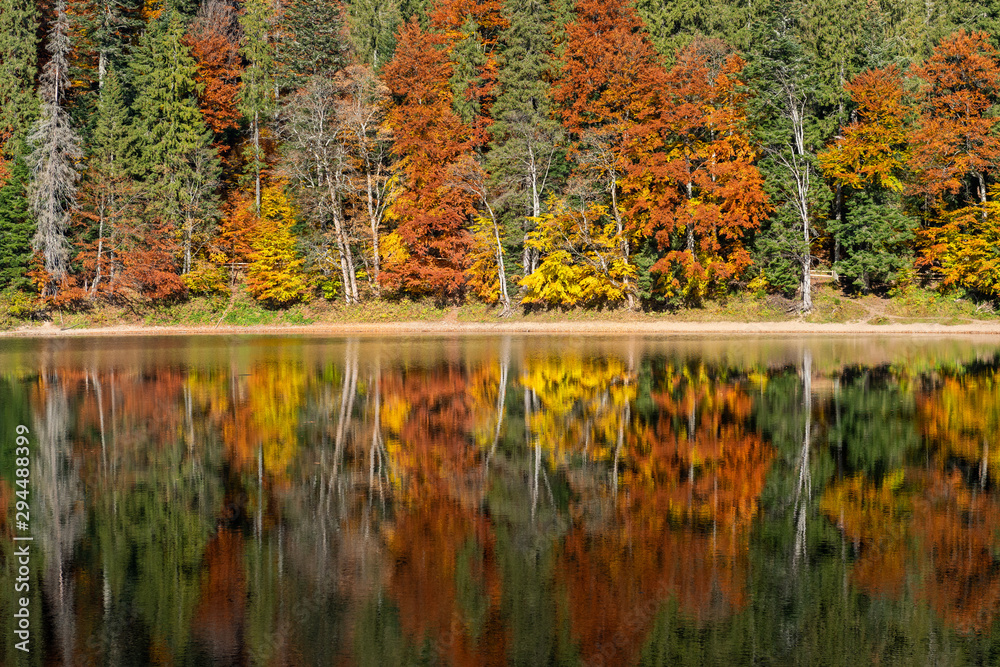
[
  {"x": 965, "y": 247},
  {"x": 275, "y": 275},
  {"x": 582, "y": 263},
  {"x": 484, "y": 278}
]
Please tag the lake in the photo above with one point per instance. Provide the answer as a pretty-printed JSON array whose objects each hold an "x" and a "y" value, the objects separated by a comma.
[{"x": 492, "y": 500}]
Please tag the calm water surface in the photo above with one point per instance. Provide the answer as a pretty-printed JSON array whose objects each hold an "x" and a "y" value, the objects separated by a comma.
[{"x": 505, "y": 500}]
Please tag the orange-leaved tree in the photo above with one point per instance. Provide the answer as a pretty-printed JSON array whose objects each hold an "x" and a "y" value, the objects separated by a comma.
[
  {"x": 868, "y": 164},
  {"x": 873, "y": 149},
  {"x": 609, "y": 78},
  {"x": 954, "y": 145},
  {"x": 692, "y": 179},
  {"x": 955, "y": 150},
  {"x": 214, "y": 44},
  {"x": 430, "y": 216}
]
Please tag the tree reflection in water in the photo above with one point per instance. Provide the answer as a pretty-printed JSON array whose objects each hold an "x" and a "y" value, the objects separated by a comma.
[{"x": 509, "y": 500}]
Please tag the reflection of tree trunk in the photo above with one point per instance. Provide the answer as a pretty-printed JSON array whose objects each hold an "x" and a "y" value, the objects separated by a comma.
[
  {"x": 804, "y": 486},
  {"x": 189, "y": 418},
  {"x": 529, "y": 440},
  {"x": 501, "y": 396},
  {"x": 618, "y": 451},
  {"x": 346, "y": 403},
  {"x": 983, "y": 466},
  {"x": 100, "y": 416},
  {"x": 259, "y": 523},
  {"x": 56, "y": 485}
]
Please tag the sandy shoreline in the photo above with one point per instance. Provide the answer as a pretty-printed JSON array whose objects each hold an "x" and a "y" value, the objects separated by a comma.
[{"x": 442, "y": 327}]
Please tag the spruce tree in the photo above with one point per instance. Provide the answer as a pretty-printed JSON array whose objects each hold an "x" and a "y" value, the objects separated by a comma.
[
  {"x": 18, "y": 67},
  {"x": 16, "y": 227},
  {"x": 466, "y": 81},
  {"x": 874, "y": 238},
  {"x": 311, "y": 43},
  {"x": 373, "y": 25},
  {"x": 107, "y": 192},
  {"x": 176, "y": 161},
  {"x": 525, "y": 152},
  {"x": 673, "y": 25},
  {"x": 106, "y": 26},
  {"x": 258, "y": 96}
]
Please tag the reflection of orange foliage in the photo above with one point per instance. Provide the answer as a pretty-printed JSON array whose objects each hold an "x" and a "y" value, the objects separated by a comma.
[
  {"x": 957, "y": 530},
  {"x": 684, "y": 509},
  {"x": 431, "y": 453},
  {"x": 950, "y": 527},
  {"x": 218, "y": 621},
  {"x": 877, "y": 515},
  {"x": 963, "y": 417},
  {"x": 137, "y": 411},
  {"x": 428, "y": 546}
]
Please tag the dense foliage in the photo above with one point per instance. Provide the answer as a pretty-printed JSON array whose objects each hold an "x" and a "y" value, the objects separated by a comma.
[{"x": 532, "y": 153}]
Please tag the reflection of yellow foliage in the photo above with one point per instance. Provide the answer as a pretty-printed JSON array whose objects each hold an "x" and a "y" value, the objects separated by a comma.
[
  {"x": 394, "y": 412},
  {"x": 276, "y": 394},
  {"x": 868, "y": 511},
  {"x": 584, "y": 404},
  {"x": 484, "y": 389}
]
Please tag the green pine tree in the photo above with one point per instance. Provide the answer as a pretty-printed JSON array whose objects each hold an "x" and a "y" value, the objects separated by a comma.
[
  {"x": 107, "y": 193},
  {"x": 257, "y": 95},
  {"x": 311, "y": 43},
  {"x": 19, "y": 21},
  {"x": 672, "y": 25},
  {"x": 17, "y": 227},
  {"x": 874, "y": 238},
  {"x": 525, "y": 155},
  {"x": 176, "y": 161},
  {"x": 469, "y": 58},
  {"x": 373, "y": 25}
]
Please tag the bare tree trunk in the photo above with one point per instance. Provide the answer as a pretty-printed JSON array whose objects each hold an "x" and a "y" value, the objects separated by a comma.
[
  {"x": 188, "y": 231},
  {"x": 530, "y": 256},
  {"x": 501, "y": 271},
  {"x": 256, "y": 158},
  {"x": 100, "y": 248},
  {"x": 690, "y": 225},
  {"x": 339, "y": 237},
  {"x": 373, "y": 220}
]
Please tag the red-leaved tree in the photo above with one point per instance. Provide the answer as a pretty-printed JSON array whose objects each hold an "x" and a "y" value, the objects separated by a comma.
[{"x": 431, "y": 240}]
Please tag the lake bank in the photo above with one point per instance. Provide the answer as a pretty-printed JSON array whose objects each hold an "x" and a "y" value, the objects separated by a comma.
[{"x": 595, "y": 327}]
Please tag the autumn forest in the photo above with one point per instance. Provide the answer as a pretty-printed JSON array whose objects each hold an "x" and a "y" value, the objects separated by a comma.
[{"x": 523, "y": 154}]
